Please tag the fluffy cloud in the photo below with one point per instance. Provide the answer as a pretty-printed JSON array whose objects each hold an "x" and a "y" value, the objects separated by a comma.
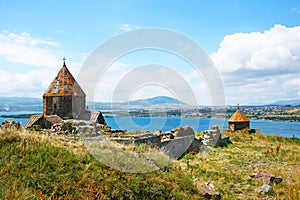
[
  {"x": 26, "y": 49},
  {"x": 128, "y": 27},
  {"x": 145, "y": 81},
  {"x": 292, "y": 83},
  {"x": 109, "y": 80},
  {"x": 255, "y": 67},
  {"x": 41, "y": 58},
  {"x": 273, "y": 49},
  {"x": 31, "y": 84},
  {"x": 260, "y": 65},
  {"x": 292, "y": 86}
]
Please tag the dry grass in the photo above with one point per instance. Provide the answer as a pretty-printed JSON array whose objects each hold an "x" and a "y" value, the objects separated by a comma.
[
  {"x": 294, "y": 111},
  {"x": 229, "y": 167},
  {"x": 37, "y": 166}
]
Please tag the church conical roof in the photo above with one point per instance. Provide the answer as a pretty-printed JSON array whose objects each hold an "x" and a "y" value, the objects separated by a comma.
[
  {"x": 238, "y": 117},
  {"x": 64, "y": 84}
]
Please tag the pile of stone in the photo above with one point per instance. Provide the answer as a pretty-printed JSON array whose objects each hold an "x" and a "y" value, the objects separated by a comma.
[
  {"x": 10, "y": 124},
  {"x": 183, "y": 131},
  {"x": 77, "y": 127},
  {"x": 213, "y": 137},
  {"x": 84, "y": 128},
  {"x": 142, "y": 138},
  {"x": 207, "y": 190},
  {"x": 179, "y": 138},
  {"x": 177, "y": 141},
  {"x": 113, "y": 133},
  {"x": 265, "y": 189},
  {"x": 63, "y": 128},
  {"x": 268, "y": 180},
  {"x": 175, "y": 133},
  {"x": 266, "y": 177}
]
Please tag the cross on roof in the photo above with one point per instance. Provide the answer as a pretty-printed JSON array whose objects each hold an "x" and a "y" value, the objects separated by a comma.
[{"x": 64, "y": 59}]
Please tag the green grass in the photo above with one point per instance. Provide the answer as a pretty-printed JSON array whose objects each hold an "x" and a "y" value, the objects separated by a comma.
[
  {"x": 229, "y": 167},
  {"x": 35, "y": 166}
]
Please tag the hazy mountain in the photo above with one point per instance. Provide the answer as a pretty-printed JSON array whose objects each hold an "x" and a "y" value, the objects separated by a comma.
[
  {"x": 160, "y": 100},
  {"x": 36, "y": 104},
  {"x": 294, "y": 102},
  {"x": 163, "y": 102},
  {"x": 21, "y": 104}
]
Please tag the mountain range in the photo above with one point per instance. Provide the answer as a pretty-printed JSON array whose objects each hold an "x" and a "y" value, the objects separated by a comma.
[
  {"x": 160, "y": 100},
  {"x": 36, "y": 104},
  {"x": 287, "y": 103},
  {"x": 21, "y": 104}
]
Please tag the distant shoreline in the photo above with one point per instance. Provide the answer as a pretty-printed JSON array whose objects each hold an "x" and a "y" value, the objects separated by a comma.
[
  {"x": 19, "y": 116},
  {"x": 270, "y": 117}
]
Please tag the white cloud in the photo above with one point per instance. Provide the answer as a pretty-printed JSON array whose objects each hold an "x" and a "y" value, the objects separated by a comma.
[
  {"x": 39, "y": 55},
  {"x": 30, "y": 84},
  {"x": 26, "y": 49},
  {"x": 128, "y": 27},
  {"x": 109, "y": 81},
  {"x": 260, "y": 67},
  {"x": 256, "y": 68},
  {"x": 295, "y": 10},
  {"x": 292, "y": 83},
  {"x": 273, "y": 49},
  {"x": 123, "y": 79}
]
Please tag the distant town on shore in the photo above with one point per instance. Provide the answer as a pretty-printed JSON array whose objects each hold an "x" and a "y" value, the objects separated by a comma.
[{"x": 161, "y": 106}]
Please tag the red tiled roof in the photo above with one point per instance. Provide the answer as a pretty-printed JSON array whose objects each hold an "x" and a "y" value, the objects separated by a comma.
[
  {"x": 238, "y": 117},
  {"x": 64, "y": 84}
]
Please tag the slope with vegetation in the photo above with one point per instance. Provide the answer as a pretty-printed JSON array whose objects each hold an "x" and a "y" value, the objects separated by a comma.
[{"x": 37, "y": 166}]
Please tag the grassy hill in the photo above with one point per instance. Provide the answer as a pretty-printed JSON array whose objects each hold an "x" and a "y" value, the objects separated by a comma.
[
  {"x": 294, "y": 111},
  {"x": 36, "y": 166}
]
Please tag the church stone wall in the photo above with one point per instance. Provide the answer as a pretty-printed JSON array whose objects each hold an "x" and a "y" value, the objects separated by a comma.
[
  {"x": 63, "y": 106},
  {"x": 235, "y": 126},
  {"x": 78, "y": 105}
]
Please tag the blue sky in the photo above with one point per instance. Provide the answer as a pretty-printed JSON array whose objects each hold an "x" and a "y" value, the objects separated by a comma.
[
  {"x": 35, "y": 35},
  {"x": 84, "y": 24}
]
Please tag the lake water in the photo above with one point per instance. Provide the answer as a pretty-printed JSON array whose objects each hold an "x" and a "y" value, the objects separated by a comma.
[{"x": 268, "y": 127}]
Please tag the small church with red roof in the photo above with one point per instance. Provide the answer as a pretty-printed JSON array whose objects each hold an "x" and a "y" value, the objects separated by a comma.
[
  {"x": 238, "y": 121},
  {"x": 64, "y": 99}
]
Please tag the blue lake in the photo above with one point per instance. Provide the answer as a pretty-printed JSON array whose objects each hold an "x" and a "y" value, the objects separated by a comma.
[{"x": 268, "y": 127}]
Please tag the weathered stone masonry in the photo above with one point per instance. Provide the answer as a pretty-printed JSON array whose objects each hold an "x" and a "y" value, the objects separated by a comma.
[{"x": 63, "y": 99}]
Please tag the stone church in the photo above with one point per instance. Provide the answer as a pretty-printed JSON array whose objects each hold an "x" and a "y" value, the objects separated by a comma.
[{"x": 64, "y": 99}]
